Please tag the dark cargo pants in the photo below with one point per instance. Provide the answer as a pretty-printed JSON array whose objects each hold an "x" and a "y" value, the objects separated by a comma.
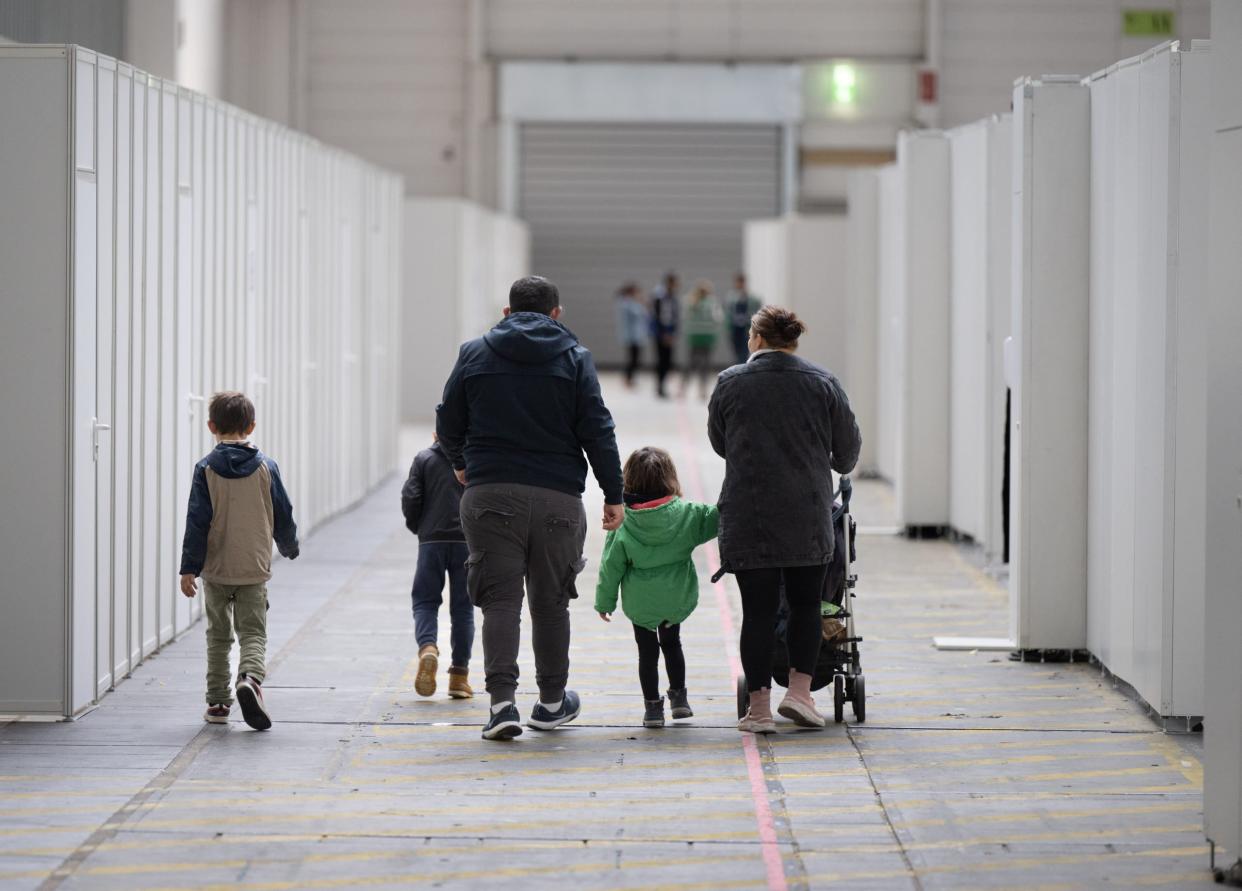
[{"x": 523, "y": 536}]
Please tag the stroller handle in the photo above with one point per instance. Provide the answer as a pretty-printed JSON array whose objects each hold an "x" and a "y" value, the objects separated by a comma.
[{"x": 844, "y": 492}]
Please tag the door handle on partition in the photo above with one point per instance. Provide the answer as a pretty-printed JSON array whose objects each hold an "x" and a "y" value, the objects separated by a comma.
[
  {"x": 190, "y": 399},
  {"x": 96, "y": 426}
]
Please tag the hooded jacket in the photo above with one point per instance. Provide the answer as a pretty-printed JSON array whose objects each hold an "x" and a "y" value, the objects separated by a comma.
[
  {"x": 431, "y": 498},
  {"x": 782, "y": 424},
  {"x": 238, "y": 506},
  {"x": 649, "y": 559},
  {"x": 523, "y": 405}
]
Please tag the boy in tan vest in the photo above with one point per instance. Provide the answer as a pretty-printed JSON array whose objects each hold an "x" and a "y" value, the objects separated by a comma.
[{"x": 238, "y": 506}]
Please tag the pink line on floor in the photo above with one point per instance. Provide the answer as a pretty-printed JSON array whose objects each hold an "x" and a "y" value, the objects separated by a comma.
[{"x": 750, "y": 750}]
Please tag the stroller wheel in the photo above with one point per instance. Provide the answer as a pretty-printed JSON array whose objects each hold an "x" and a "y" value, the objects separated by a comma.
[
  {"x": 838, "y": 699},
  {"x": 859, "y": 699},
  {"x": 743, "y": 698}
]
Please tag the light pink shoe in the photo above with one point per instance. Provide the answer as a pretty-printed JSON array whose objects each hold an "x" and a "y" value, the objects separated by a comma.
[
  {"x": 758, "y": 718},
  {"x": 798, "y": 706}
]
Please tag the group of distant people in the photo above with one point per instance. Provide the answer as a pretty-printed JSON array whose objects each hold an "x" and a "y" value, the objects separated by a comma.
[
  {"x": 664, "y": 315},
  {"x": 496, "y": 503}
]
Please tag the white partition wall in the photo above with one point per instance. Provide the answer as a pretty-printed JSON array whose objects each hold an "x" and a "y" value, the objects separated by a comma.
[
  {"x": 889, "y": 306},
  {"x": 1147, "y": 381},
  {"x": 460, "y": 259},
  {"x": 1222, "y": 786},
  {"x": 912, "y": 435},
  {"x": 158, "y": 246},
  {"x": 1048, "y": 449},
  {"x": 982, "y": 194},
  {"x": 862, "y": 295},
  {"x": 798, "y": 261}
]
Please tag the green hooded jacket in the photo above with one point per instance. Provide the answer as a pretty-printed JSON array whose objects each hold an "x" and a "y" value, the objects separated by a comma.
[{"x": 648, "y": 558}]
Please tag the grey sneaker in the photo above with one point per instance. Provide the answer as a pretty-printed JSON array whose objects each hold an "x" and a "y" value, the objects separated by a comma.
[
  {"x": 653, "y": 716},
  {"x": 542, "y": 719},
  {"x": 504, "y": 724},
  {"x": 679, "y": 704}
]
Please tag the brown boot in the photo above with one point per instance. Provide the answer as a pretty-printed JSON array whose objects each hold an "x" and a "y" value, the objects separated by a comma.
[
  {"x": 428, "y": 661},
  {"x": 459, "y": 686}
]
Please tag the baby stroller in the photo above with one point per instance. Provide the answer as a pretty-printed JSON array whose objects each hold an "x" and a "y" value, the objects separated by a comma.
[{"x": 838, "y": 663}]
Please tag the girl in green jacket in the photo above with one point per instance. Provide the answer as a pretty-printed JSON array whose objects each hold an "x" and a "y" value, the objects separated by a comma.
[{"x": 648, "y": 558}]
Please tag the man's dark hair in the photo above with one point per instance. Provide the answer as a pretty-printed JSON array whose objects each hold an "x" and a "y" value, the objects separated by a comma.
[
  {"x": 231, "y": 412},
  {"x": 534, "y": 293}
]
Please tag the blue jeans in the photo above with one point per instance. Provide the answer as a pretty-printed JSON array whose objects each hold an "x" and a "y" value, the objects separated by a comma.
[{"x": 435, "y": 558}]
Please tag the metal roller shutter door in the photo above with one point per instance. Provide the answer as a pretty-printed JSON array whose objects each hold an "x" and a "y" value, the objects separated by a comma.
[{"x": 606, "y": 203}]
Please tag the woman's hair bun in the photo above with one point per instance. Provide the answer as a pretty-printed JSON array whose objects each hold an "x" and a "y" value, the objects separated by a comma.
[{"x": 780, "y": 328}]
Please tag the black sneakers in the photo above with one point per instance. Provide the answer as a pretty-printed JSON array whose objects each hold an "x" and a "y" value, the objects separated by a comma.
[
  {"x": 250, "y": 698},
  {"x": 679, "y": 703},
  {"x": 653, "y": 714},
  {"x": 543, "y": 719},
  {"x": 503, "y": 724}
]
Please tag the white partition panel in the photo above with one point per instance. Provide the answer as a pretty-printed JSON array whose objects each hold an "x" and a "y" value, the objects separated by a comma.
[
  {"x": 460, "y": 260},
  {"x": 1148, "y": 374},
  {"x": 1048, "y": 454},
  {"x": 889, "y": 309},
  {"x": 1222, "y": 786},
  {"x": 915, "y": 382},
  {"x": 862, "y": 287},
  {"x": 798, "y": 261},
  {"x": 208, "y": 250},
  {"x": 979, "y": 314}
]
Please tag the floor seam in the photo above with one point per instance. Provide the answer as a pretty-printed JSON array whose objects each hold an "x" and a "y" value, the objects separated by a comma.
[{"x": 888, "y": 820}]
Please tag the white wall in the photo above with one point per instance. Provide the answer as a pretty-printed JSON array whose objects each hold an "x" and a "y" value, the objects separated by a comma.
[
  {"x": 208, "y": 250},
  {"x": 1048, "y": 448},
  {"x": 689, "y": 29},
  {"x": 1222, "y": 787},
  {"x": 200, "y": 42},
  {"x": 890, "y": 325},
  {"x": 862, "y": 287},
  {"x": 1149, "y": 188},
  {"x": 980, "y": 308},
  {"x": 987, "y": 44},
  {"x": 460, "y": 260},
  {"x": 389, "y": 83},
  {"x": 798, "y": 261}
]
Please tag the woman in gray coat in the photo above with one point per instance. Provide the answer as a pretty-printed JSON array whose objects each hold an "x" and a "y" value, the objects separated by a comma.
[{"x": 782, "y": 424}]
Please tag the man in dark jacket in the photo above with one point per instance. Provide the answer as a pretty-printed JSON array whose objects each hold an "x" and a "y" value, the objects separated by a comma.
[
  {"x": 520, "y": 409},
  {"x": 431, "y": 503},
  {"x": 665, "y": 320}
]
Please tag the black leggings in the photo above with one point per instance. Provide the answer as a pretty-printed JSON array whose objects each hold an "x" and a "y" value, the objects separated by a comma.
[
  {"x": 761, "y": 597},
  {"x": 650, "y": 643},
  {"x": 634, "y": 353}
]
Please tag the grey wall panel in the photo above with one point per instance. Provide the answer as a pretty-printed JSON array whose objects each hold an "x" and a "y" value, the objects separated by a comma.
[
  {"x": 606, "y": 203},
  {"x": 180, "y": 248}
]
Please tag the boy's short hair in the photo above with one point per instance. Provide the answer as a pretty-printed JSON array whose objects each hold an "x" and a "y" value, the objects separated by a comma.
[
  {"x": 231, "y": 412},
  {"x": 651, "y": 472},
  {"x": 534, "y": 293}
]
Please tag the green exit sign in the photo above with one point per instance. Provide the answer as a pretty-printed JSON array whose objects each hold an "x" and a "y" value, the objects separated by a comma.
[{"x": 1148, "y": 22}]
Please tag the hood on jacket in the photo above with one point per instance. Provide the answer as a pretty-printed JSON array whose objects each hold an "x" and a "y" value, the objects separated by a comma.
[
  {"x": 530, "y": 338},
  {"x": 233, "y": 460},
  {"x": 655, "y": 526}
]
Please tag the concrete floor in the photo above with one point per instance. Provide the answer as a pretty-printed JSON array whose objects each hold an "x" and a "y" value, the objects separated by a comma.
[{"x": 971, "y": 771}]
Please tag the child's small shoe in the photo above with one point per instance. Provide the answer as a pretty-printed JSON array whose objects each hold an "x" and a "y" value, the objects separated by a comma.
[
  {"x": 653, "y": 715},
  {"x": 459, "y": 686},
  {"x": 428, "y": 662},
  {"x": 679, "y": 703},
  {"x": 216, "y": 714},
  {"x": 250, "y": 698}
]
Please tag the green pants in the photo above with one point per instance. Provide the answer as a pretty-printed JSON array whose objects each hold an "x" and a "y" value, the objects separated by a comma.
[{"x": 229, "y": 607}]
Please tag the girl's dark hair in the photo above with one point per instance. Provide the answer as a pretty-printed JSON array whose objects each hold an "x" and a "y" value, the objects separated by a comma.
[
  {"x": 779, "y": 327},
  {"x": 650, "y": 471}
]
